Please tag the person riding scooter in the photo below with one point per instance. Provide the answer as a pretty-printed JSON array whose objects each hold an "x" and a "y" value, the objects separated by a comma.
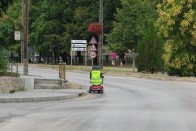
[{"x": 96, "y": 79}]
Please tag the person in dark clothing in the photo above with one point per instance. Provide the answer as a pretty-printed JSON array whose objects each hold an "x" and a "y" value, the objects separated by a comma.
[{"x": 121, "y": 57}]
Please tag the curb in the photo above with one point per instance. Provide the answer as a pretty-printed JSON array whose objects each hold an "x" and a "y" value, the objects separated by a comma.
[{"x": 42, "y": 99}]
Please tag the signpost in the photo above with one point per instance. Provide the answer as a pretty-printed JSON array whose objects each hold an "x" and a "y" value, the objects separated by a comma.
[
  {"x": 79, "y": 45},
  {"x": 93, "y": 54},
  {"x": 93, "y": 48},
  {"x": 93, "y": 40},
  {"x": 17, "y": 35},
  {"x": 133, "y": 56}
]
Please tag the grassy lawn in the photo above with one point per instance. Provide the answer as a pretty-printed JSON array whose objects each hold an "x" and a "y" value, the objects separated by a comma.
[{"x": 117, "y": 71}]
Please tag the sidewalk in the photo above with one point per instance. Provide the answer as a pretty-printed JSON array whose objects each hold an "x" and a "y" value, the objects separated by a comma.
[{"x": 41, "y": 95}]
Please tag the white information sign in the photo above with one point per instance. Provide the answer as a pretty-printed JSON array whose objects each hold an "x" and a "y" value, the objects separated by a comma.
[
  {"x": 78, "y": 41},
  {"x": 78, "y": 45},
  {"x": 17, "y": 35},
  {"x": 78, "y": 49}
]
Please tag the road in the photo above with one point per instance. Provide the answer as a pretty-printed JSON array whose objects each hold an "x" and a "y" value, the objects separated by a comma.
[{"x": 128, "y": 104}]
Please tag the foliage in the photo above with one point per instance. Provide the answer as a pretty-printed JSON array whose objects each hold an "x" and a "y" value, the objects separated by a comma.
[
  {"x": 150, "y": 50},
  {"x": 130, "y": 24},
  {"x": 53, "y": 24},
  {"x": 4, "y": 5},
  {"x": 177, "y": 23},
  {"x": 8, "y": 24},
  {"x": 3, "y": 59}
]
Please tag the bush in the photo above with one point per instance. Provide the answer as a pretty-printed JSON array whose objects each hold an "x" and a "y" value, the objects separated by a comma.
[
  {"x": 150, "y": 51},
  {"x": 11, "y": 74},
  {"x": 180, "y": 72},
  {"x": 3, "y": 60}
]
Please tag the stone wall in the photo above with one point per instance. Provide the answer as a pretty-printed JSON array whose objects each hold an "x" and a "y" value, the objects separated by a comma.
[{"x": 11, "y": 83}]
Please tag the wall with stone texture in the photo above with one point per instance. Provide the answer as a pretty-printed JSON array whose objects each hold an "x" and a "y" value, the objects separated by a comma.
[{"x": 11, "y": 83}]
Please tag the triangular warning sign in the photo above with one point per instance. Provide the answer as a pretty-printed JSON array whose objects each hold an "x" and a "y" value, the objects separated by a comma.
[
  {"x": 93, "y": 41},
  {"x": 93, "y": 48}
]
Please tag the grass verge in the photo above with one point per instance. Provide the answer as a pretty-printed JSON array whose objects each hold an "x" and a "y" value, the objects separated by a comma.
[{"x": 118, "y": 71}]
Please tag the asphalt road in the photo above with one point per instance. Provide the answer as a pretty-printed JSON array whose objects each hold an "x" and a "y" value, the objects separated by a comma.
[{"x": 128, "y": 104}]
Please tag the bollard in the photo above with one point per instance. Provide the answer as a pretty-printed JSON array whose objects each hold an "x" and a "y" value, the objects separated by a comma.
[{"x": 62, "y": 69}]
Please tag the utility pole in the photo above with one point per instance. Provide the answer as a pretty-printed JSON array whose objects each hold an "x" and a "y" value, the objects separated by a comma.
[
  {"x": 101, "y": 34},
  {"x": 22, "y": 32},
  {"x": 26, "y": 14}
]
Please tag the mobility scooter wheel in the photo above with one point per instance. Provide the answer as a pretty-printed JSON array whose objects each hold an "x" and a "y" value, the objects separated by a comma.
[
  {"x": 90, "y": 91},
  {"x": 101, "y": 91}
]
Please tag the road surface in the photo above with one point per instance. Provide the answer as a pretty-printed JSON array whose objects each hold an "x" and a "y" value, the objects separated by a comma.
[{"x": 128, "y": 104}]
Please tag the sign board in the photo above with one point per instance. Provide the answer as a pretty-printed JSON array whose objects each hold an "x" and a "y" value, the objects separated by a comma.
[
  {"x": 78, "y": 45},
  {"x": 93, "y": 48},
  {"x": 78, "y": 41},
  {"x": 78, "y": 49},
  {"x": 17, "y": 35},
  {"x": 93, "y": 54},
  {"x": 93, "y": 40}
]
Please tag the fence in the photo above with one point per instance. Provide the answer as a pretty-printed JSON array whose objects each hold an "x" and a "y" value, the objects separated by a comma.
[{"x": 13, "y": 68}]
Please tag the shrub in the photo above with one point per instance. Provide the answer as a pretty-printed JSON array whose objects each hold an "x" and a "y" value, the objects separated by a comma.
[
  {"x": 150, "y": 51},
  {"x": 3, "y": 60}
]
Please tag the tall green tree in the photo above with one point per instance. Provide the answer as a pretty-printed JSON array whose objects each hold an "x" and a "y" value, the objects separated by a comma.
[
  {"x": 47, "y": 27},
  {"x": 109, "y": 11},
  {"x": 9, "y": 23},
  {"x": 130, "y": 24},
  {"x": 177, "y": 25},
  {"x": 150, "y": 50},
  {"x": 4, "y": 4}
]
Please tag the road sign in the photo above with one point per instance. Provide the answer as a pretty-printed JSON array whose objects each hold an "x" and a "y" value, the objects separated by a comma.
[
  {"x": 78, "y": 41},
  {"x": 17, "y": 35},
  {"x": 78, "y": 45},
  {"x": 93, "y": 40},
  {"x": 78, "y": 49},
  {"x": 93, "y": 48},
  {"x": 93, "y": 54}
]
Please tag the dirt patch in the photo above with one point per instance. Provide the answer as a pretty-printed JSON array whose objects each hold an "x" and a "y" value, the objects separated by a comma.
[{"x": 72, "y": 85}]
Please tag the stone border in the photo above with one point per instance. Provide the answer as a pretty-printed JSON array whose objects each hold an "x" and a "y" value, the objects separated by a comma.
[{"x": 11, "y": 84}]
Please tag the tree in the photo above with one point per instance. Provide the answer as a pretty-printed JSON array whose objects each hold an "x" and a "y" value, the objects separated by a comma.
[
  {"x": 177, "y": 25},
  {"x": 150, "y": 50},
  {"x": 109, "y": 10},
  {"x": 4, "y": 54},
  {"x": 9, "y": 23},
  {"x": 130, "y": 24},
  {"x": 4, "y": 4}
]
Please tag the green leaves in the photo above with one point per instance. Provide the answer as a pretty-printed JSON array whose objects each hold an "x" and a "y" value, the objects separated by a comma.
[
  {"x": 150, "y": 50},
  {"x": 176, "y": 22},
  {"x": 129, "y": 25},
  {"x": 4, "y": 6}
]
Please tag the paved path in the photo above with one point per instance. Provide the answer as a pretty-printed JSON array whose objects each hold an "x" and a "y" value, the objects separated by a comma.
[
  {"x": 40, "y": 95},
  {"x": 128, "y": 104}
]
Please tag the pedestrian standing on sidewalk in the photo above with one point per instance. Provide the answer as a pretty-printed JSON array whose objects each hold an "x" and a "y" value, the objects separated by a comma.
[
  {"x": 121, "y": 56},
  {"x": 113, "y": 57}
]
